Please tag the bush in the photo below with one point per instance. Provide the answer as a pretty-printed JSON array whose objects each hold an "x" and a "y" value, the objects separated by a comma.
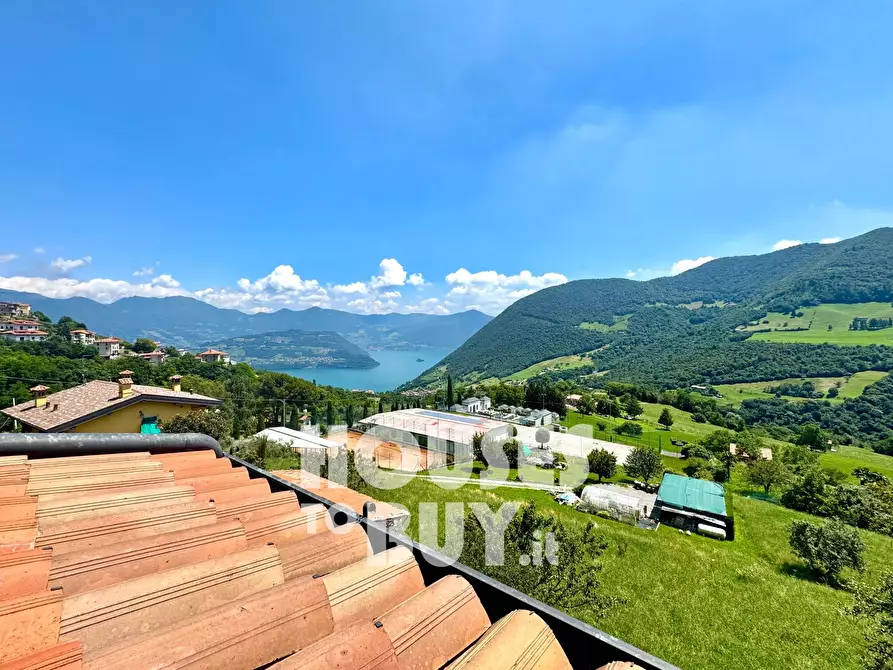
[
  {"x": 697, "y": 417},
  {"x": 827, "y": 548},
  {"x": 697, "y": 451},
  {"x": 807, "y": 494},
  {"x": 629, "y": 428},
  {"x": 211, "y": 422},
  {"x": 875, "y": 605}
]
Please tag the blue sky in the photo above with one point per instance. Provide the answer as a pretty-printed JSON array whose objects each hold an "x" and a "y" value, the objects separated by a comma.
[{"x": 421, "y": 156}]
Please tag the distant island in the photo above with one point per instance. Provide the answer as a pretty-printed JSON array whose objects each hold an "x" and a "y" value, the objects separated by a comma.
[
  {"x": 420, "y": 360},
  {"x": 296, "y": 349}
]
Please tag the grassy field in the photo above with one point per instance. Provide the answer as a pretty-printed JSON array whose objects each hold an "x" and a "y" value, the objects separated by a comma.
[
  {"x": 620, "y": 323},
  {"x": 818, "y": 319},
  {"x": 851, "y": 387},
  {"x": 703, "y": 604},
  {"x": 553, "y": 364},
  {"x": 684, "y": 427},
  {"x": 846, "y": 459}
]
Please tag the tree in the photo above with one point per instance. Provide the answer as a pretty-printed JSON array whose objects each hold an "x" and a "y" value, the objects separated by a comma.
[
  {"x": 807, "y": 494},
  {"x": 542, "y": 436},
  {"x": 812, "y": 436},
  {"x": 348, "y": 415},
  {"x": 602, "y": 463},
  {"x": 330, "y": 413},
  {"x": 449, "y": 392},
  {"x": 143, "y": 345},
  {"x": 874, "y": 604},
  {"x": 827, "y": 548},
  {"x": 477, "y": 447},
  {"x": 644, "y": 463},
  {"x": 380, "y": 406},
  {"x": 833, "y": 392},
  {"x": 666, "y": 418},
  {"x": 766, "y": 473},
  {"x": 215, "y": 423},
  {"x": 632, "y": 406},
  {"x": 510, "y": 449},
  {"x": 587, "y": 404},
  {"x": 719, "y": 441}
]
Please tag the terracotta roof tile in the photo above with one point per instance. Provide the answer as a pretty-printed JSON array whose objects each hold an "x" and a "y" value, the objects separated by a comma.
[{"x": 70, "y": 407}]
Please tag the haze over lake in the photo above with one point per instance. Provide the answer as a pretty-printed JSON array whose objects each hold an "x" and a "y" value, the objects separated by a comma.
[{"x": 396, "y": 368}]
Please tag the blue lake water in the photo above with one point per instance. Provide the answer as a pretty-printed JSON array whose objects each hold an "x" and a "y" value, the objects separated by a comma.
[{"x": 397, "y": 367}]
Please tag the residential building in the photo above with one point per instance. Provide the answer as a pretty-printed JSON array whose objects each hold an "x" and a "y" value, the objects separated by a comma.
[
  {"x": 213, "y": 356},
  {"x": 472, "y": 405},
  {"x": 24, "y": 335},
  {"x": 109, "y": 347},
  {"x": 105, "y": 407},
  {"x": 412, "y": 439},
  {"x": 81, "y": 336},
  {"x": 538, "y": 417},
  {"x": 22, "y": 324},
  {"x": 154, "y": 357},
  {"x": 693, "y": 504},
  {"x": 14, "y": 310},
  {"x": 300, "y": 441}
]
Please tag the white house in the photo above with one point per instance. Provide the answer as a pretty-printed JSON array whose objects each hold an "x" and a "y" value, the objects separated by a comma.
[
  {"x": 472, "y": 405},
  {"x": 154, "y": 357},
  {"x": 213, "y": 356},
  {"x": 109, "y": 347},
  {"x": 81, "y": 336},
  {"x": 19, "y": 324},
  {"x": 24, "y": 335}
]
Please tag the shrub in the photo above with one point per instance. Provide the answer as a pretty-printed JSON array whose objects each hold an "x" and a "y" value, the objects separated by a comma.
[
  {"x": 629, "y": 428},
  {"x": 875, "y": 605},
  {"x": 697, "y": 417},
  {"x": 827, "y": 548},
  {"x": 807, "y": 493},
  {"x": 766, "y": 474}
]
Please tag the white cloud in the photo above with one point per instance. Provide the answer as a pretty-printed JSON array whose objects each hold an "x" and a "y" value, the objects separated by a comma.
[
  {"x": 785, "y": 244},
  {"x": 416, "y": 279},
  {"x": 829, "y": 240},
  {"x": 347, "y": 289},
  {"x": 689, "y": 264},
  {"x": 144, "y": 272},
  {"x": 165, "y": 280},
  {"x": 66, "y": 265},
  {"x": 39, "y": 250},
  {"x": 390, "y": 295},
  {"x": 6, "y": 258},
  {"x": 492, "y": 291},
  {"x": 630, "y": 274},
  {"x": 101, "y": 290},
  {"x": 391, "y": 274},
  {"x": 282, "y": 279}
]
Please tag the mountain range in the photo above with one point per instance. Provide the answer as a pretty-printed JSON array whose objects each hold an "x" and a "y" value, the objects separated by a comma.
[
  {"x": 187, "y": 322},
  {"x": 683, "y": 328},
  {"x": 296, "y": 349}
]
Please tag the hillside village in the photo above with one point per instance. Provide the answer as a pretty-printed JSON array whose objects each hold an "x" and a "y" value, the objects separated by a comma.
[{"x": 19, "y": 324}]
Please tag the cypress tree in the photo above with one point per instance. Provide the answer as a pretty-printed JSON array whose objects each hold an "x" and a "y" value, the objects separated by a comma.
[{"x": 449, "y": 396}]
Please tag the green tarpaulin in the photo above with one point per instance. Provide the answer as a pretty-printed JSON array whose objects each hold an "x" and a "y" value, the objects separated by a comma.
[{"x": 695, "y": 495}]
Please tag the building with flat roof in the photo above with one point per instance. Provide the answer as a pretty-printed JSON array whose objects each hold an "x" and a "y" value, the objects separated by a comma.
[
  {"x": 434, "y": 438},
  {"x": 15, "y": 310},
  {"x": 298, "y": 440},
  {"x": 24, "y": 335}
]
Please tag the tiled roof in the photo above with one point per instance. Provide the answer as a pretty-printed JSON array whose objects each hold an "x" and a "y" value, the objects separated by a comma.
[
  {"x": 81, "y": 330},
  {"x": 68, "y": 408},
  {"x": 23, "y": 332},
  {"x": 189, "y": 563},
  {"x": 108, "y": 340},
  {"x": 212, "y": 352}
]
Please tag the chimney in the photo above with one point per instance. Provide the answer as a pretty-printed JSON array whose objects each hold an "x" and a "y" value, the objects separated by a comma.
[
  {"x": 175, "y": 383},
  {"x": 40, "y": 395},
  {"x": 125, "y": 384}
]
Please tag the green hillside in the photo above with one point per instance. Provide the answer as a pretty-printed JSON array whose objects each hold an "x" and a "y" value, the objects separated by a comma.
[
  {"x": 296, "y": 348},
  {"x": 828, "y": 323},
  {"x": 693, "y": 327}
]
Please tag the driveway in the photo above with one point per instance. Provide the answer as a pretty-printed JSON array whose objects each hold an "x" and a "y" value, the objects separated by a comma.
[{"x": 572, "y": 444}]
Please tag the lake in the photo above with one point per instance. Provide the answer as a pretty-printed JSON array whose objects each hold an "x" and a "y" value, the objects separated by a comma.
[{"x": 397, "y": 367}]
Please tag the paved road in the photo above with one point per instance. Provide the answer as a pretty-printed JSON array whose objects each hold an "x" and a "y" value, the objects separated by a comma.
[
  {"x": 572, "y": 444},
  {"x": 509, "y": 484}
]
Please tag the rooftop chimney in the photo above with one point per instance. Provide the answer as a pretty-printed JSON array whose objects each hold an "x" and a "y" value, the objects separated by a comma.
[
  {"x": 40, "y": 395},
  {"x": 125, "y": 384},
  {"x": 175, "y": 383}
]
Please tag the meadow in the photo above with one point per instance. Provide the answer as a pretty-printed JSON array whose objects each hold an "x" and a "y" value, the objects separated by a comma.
[
  {"x": 818, "y": 320},
  {"x": 703, "y": 604},
  {"x": 850, "y": 387},
  {"x": 553, "y": 364}
]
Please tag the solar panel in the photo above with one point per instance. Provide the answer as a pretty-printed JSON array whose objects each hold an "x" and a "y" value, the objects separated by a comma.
[{"x": 470, "y": 420}]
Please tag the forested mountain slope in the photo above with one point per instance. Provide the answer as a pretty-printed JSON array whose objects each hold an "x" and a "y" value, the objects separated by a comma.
[
  {"x": 296, "y": 348},
  {"x": 667, "y": 327}
]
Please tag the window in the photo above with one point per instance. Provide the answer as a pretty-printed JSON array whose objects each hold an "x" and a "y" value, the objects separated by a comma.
[{"x": 149, "y": 425}]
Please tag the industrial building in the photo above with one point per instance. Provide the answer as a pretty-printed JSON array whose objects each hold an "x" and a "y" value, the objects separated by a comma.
[{"x": 421, "y": 438}]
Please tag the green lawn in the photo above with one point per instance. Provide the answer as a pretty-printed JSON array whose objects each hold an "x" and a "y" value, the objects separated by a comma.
[
  {"x": 818, "y": 319},
  {"x": 703, "y": 604},
  {"x": 846, "y": 459},
  {"x": 620, "y": 323},
  {"x": 553, "y": 364},
  {"x": 851, "y": 387}
]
